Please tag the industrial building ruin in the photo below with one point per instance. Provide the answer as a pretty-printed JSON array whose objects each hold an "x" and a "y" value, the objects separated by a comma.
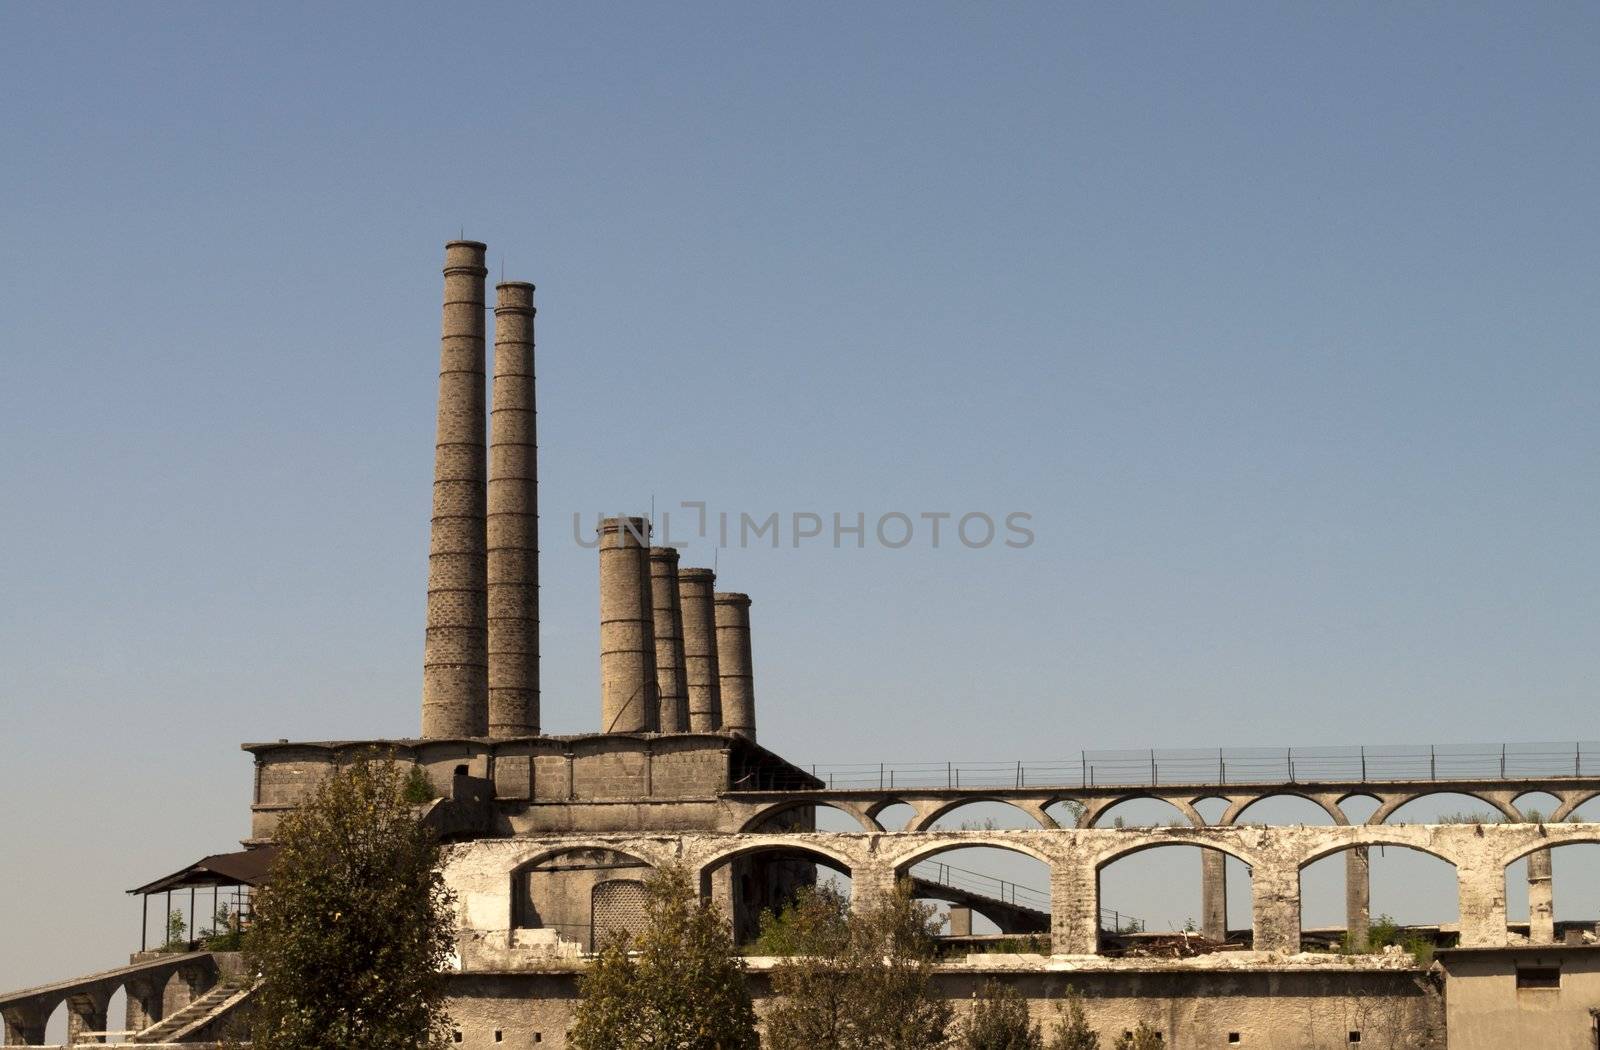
[{"x": 549, "y": 836}]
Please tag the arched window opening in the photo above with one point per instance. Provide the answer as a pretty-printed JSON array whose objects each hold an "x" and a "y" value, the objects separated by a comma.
[
  {"x": 1142, "y": 813},
  {"x": 565, "y": 893},
  {"x": 1173, "y": 901},
  {"x": 1553, "y": 895},
  {"x": 117, "y": 1015},
  {"x": 984, "y": 815},
  {"x": 767, "y": 879},
  {"x": 1363, "y": 899},
  {"x": 1447, "y": 807},
  {"x": 1284, "y": 811},
  {"x": 990, "y": 898}
]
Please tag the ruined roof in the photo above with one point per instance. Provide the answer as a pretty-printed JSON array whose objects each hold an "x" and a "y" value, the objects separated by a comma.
[{"x": 245, "y": 868}]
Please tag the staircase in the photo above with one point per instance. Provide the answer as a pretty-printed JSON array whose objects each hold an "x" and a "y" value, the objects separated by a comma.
[{"x": 227, "y": 994}]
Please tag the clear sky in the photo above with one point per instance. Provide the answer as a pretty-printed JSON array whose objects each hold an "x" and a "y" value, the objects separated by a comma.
[{"x": 1279, "y": 321}]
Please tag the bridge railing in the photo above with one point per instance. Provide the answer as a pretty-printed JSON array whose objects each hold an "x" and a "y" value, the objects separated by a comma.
[
  {"x": 1442, "y": 763},
  {"x": 1008, "y": 892}
]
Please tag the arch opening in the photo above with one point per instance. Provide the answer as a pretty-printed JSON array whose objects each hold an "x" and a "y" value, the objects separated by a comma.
[
  {"x": 580, "y": 895},
  {"x": 806, "y": 816},
  {"x": 1359, "y": 809},
  {"x": 1536, "y": 806},
  {"x": 1553, "y": 895},
  {"x": 751, "y": 882},
  {"x": 991, "y": 897},
  {"x": 1142, "y": 812},
  {"x": 1173, "y": 900},
  {"x": 982, "y": 815},
  {"x": 1446, "y": 807},
  {"x": 1284, "y": 810},
  {"x": 893, "y": 816},
  {"x": 1211, "y": 809},
  {"x": 1363, "y": 899}
]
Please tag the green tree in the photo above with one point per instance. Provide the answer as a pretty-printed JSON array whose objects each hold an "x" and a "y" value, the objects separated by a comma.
[
  {"x": 1142, "y": 1038},
  {"x": 176, "y": 928},
  {"x": 681, "y": 985},
  {"x": 999, "y": 1021},
  {"x": 354, "y": 926},
  {"x": 857, "y": 980},
  {"x": 1072, "y": 1031}
]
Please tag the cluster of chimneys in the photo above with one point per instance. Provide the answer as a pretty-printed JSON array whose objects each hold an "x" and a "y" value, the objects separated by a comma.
[{"x": 674, "y": 654}]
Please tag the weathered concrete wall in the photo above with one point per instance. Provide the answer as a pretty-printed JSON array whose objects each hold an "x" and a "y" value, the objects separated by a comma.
[
  {"x": 1488, "y": 1011},
  {"x": 1307, "y": 1008}
]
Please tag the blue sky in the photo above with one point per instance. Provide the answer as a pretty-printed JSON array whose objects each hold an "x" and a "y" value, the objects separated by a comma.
[{"x": 1278, "y": 320}]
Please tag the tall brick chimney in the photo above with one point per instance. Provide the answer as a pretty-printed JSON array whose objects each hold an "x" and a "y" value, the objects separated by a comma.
[
  {"x": 667, "y": 617},
  {"x": 733, "y": 660},
  {"x": 513, "y": 520},
  {"x": 629, "y": 694},
  {"x": 455, "y": 673},
  {"x": 702, "y": 677}
]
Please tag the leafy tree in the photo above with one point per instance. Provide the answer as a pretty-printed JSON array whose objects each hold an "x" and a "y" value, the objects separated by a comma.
[
  {"x": 353, "y": 929},
  {"x": 176, "y": 928},
  {"x": 1072, "y": 1030},
  {"x": 417, "y": 789},
  {"x": 680, "y": 986},
  {"x": 999, "y": 1021},
  {"x": 857, "y": 980},
  {"x": 1142, "y": 1038}
]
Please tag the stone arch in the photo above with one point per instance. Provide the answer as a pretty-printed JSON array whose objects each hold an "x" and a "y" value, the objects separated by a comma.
[
  {"x": 1555, "y": 840},
  {"x": 755, "y": 824},
  {"x": 1200, "y": 800},
  {"x": 1188, "y": 874},
  {"x": 1575, "y": 800},
  {"x": 1527, "y": 803},
  {"x": 1377, "y": 840},
  {"x": 927, "y": 818},
  {"x": 1140, "y": 845},
  {"x": 1241, "y": 806},
  {"x": 874, "y": 812},
  {"x": 968, "y": 840},
  {"x": 751, "y": 877},
  {"x": 1098, "y": 811},
  {"x": 1398, "y": 802}
]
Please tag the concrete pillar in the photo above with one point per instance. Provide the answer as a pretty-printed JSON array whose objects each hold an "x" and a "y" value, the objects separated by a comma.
[
  {"x": 734, "y": 665},
  {"x": 513, "y": 521},
  {"x": 702, "y": 675},
  {"x": 86, "y": 1012},
  {"x": 1214, "y": 894},
  {"x": 869, "y": 882},
  {"x": 24, "y": 1025},
  {"x": 1541, "y": 898},
  {"x": 666, "y": 614},
  {"x": 144, "y": 1004},
  {"x": 1276, "y": 919},
  {"x": 1482, "y": 902},
  {"x": 1074, "y": 907},
  {"x": 629, "y": 694},
  {"x": 1357, "y": 896},
  {"x": 455, "y": 663}
]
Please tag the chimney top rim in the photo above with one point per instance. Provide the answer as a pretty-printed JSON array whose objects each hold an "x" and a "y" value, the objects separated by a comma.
[
  {"x": 731, "y": 598},
  {"x": 479, "y": 245}
]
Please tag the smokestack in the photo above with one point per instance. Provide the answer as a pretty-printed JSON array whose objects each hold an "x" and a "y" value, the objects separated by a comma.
[
  {"x": 513, "y": 520},
  {"x": 733, "y": 658},
  {"x": 455, "y": 672},
  {"x": 629, "y": 695},
  {"x": 667, "y": 617},
  {"x": 702, "y": 677}
]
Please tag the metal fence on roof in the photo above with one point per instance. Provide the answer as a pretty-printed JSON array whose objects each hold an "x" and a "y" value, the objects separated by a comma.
[{"x": 1156, "y": 767}]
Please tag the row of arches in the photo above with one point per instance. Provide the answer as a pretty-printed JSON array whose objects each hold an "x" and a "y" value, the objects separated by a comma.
[
  {"x": 1004, "y": 888},
  {"x": 1280, "y": 809}
]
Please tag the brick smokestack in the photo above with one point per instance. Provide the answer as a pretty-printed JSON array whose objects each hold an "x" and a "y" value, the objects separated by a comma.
[
  {"x": 702, "y": 676},
  {"x": 455, "y": 671},
  {"x": 667, "y": 616},
  {"x": 733, "y": 659},
  {"x": 513, "y": 522},
  {"x": 629, "y": 695}
]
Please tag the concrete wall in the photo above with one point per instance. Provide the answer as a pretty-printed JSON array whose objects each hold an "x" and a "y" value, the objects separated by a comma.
[
  {"x": 1195, "y": 1009},
  {"x": 1486, "y": 1010}
]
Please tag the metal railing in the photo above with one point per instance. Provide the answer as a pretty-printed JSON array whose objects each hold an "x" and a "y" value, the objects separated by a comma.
[
  {"x": 1155, "y": 767},
  {"x": 1007, "y": 892}
]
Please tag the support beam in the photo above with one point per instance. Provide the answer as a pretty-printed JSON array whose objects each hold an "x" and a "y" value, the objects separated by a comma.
[
  {"x": 1541, "y": 898},
  {"x": 1214, "y": 894},
  {"x": 1357, "y": 896},
  {"x": 1276, "y": 885}
]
